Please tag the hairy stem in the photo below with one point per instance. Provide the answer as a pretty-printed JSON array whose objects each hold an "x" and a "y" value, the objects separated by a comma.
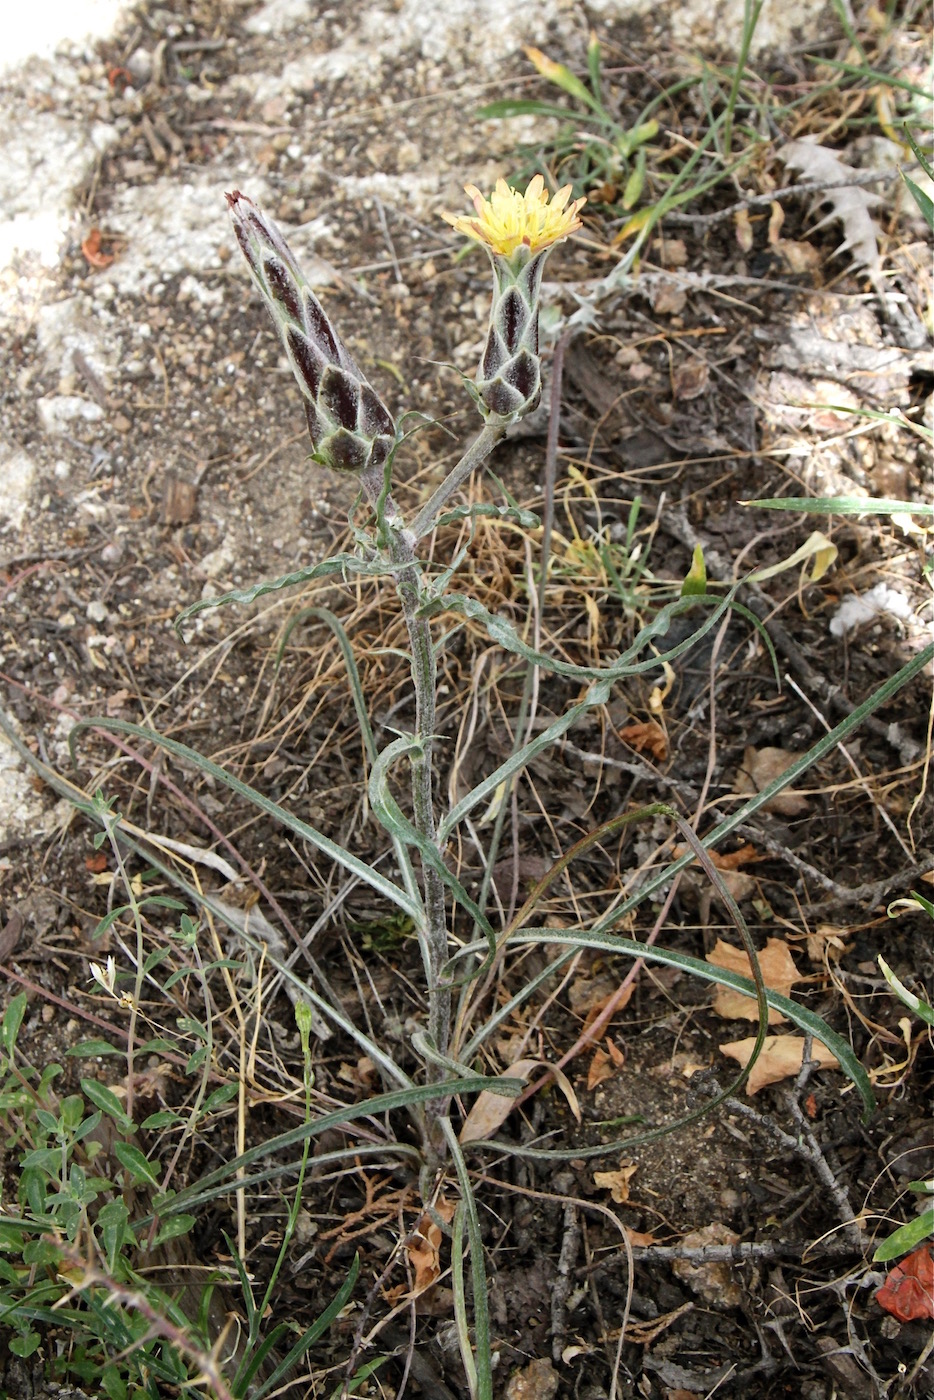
[
  {"x": 477, "y": 452},
  {"x": 400, "y": 545}
]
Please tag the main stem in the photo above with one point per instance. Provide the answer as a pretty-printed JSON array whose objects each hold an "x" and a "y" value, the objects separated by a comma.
[{"x": 400, "y": 544}]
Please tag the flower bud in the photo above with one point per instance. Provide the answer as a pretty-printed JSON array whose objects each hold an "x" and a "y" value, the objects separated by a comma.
[{"x": 351, "y": 428}]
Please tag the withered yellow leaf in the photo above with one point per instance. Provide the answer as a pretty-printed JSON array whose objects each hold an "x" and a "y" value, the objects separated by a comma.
[{"x": 617, "y": 1183}]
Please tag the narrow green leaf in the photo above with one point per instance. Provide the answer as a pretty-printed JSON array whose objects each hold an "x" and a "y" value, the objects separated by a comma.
[
  {"x": 632, "y": 190},
  {"x": 187, "y": 1025},
  {"x": 562, "y": 77},
  {"x": 645, "y": 131},
  {"x": 172, "y": 1229},
  {"x": 843, "y": 505},
  {"x": 593, "y": 64},
  {"x": 920, "y": 155},
  {"x": 460, "y": 1299},
  {"x": 157, "y": 956},
  {"x": 221, "y": 1181},
  {"x": 357, "y": 867},
  {"x": 91, "y": 1049},
  {"x": 220, "y": 1096},
  {"x": 311, "y": 1335},
  {"x": 241, "y": 1385},
  {"x": 339, "y": 564},
  {"x": 521, "y": 107},
  {"x": 695, "y": 581},
  {"x": 12, "y": 1020},
  {"x": 111, "y": 917},
  {"x": 163, "y": 1118},
  {"x": 482, "y": 1361},
  {"x": 501, "y": 631},
  {"x": 805, "y": 1020},
  {"x": 922, "y": 199},
  {"x": 906, "y": 1237},
  {"x": 873, "y": 75},
  {"x": 331, "y": 620},
  {"x": 907, "y": 997},
  {"x": 388, "y": 812}
]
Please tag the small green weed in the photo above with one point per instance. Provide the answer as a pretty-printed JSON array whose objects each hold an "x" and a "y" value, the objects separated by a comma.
[
  {"x": 907, "y": 1237},
  {"x": 94, "y": 1224},
  {"x": 634, "y": 167}
]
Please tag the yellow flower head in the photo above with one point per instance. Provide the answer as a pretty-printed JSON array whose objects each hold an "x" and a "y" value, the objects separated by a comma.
[{"x": 509, "y": 220}]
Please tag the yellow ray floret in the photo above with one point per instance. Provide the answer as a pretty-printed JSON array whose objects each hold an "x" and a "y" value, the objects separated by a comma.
[{"x": 508, "y": 219}]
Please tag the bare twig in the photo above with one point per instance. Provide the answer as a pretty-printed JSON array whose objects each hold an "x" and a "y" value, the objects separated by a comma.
[
  {"x": 562, "y": 1287},
  {"x": 762, "y": 201},
  {"x": 804, "y": 1144}
]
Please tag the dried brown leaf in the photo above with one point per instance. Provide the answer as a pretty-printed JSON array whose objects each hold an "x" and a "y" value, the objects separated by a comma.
[
  {"x": 690, "y": 380},
  {"x": 744, "y": 231},
  {"x": 800, "y": 257},
  {"x": 637, "y": 1239},
  {"x": 713, "y": 1280},
  {"x": 491, "y": 1110},
  {"x": 423, "y": 1247},
  {"x": 776, "y": 219},
  {"x": 600, "y": 1069},
  {"x": 672, "y": 252},
  {"x": 763, "y": 766},
  {"x": 826, "y": 941},
  {"x": 536, "y": 1381},
  {"x": 646, "y": 735},
  {"x": 669, "y": 300},
  {"x": 778, "y": 972},
  {"x": 780, "y": 1059},
  {"x": 617, "y": 1183}
]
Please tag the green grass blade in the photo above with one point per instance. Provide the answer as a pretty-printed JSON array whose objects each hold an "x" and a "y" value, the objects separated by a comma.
[
  {"x": 800, "y": 1016},
  {"x": 906, "y": 1237},
  {"x": 337, "y": 853},
  {"x": 842, "y": 505},
  {"x": 221, "y": 1181},
  {"x": 363, "y": 719},
  {"x": 920, "y": 155},
  {"x": 823, "y": 746},
  {"x": 923, "y": 200},
  {"x": 503, "y": 632},
  {"x": 598, "y": 695},
  {"x": 872, "y": 76},
  {"x": 908, "y": 998},
  {"x": 460, "y": 1300},
  {"x": 481, "y": 1303},
  {"x": 389, "y": 813},
  {"x": 312, "y": 1333},
  {"x": 523, "y": 107}
]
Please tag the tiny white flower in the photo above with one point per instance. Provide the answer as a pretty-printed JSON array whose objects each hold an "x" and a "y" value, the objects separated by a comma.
[{"x": 105, "y": 976}]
